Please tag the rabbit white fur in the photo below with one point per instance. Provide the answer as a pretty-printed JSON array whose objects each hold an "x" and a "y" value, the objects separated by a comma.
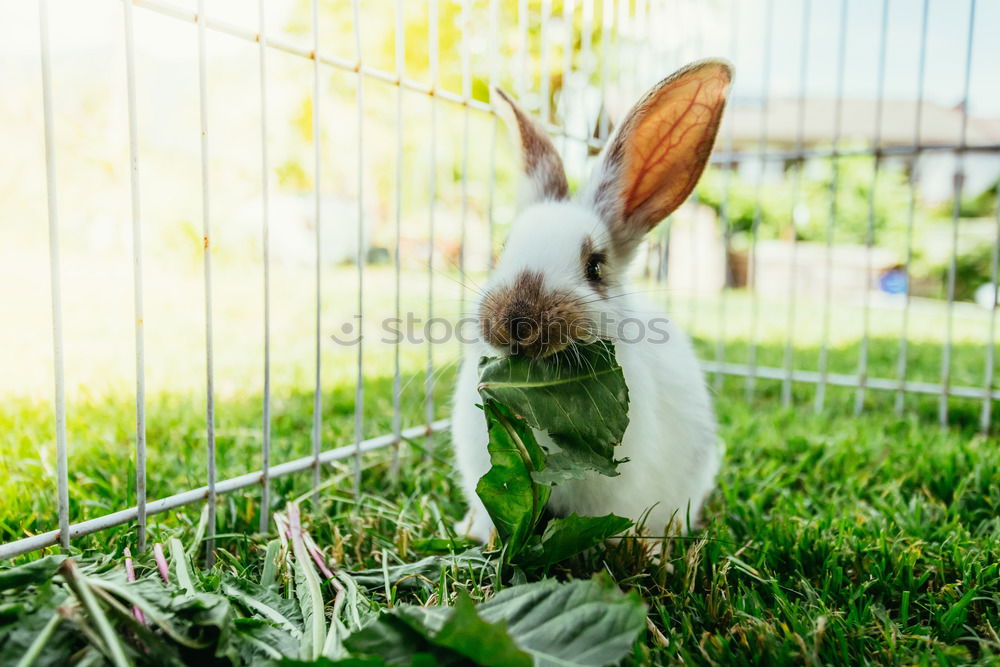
[{"x": 670, "y": 442}]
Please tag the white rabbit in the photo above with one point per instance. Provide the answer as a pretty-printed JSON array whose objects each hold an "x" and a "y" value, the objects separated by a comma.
[{"x": 562, "y": 277}]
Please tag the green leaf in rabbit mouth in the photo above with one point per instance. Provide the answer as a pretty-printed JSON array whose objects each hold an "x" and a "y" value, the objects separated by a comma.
[
  {"x": 578, "y": 396},
  {"x": 580, "y": 399}
]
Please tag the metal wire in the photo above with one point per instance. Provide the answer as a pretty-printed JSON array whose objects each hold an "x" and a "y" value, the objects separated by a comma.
[
  {"x": 986, "y": 413},
  {"x": 521, "y": 80},
  {"x": 543, "y": 71},
  {"x": 207, "y": 255},
  {"x": 55, "y": 277},
  {"x": 265, "y": 170},
  {"x": 607, "y": 32},
  {"x": 586, "y": 69},
  {"x": 727, "y": 174},
  {"x": 587, "y": 50},
  {"x": 569, "y": 11},
  {"x": 821, "y": 153},
  {"x": 846, "y": 380},
  {"x": 955, "y": 213},
  {"x": 666, "y": 230},
  {"x": 41, "y": 540},
  {"x": 317, "y": 433},
  {"x": 800, "y": 131},
  {"x": 859, "y": 395},
  {"x": 622, "y": 25},
  {"x": 177, "y": 12},
  {"x": 397, "y": 417},
  {"x": 904, "y": 333},
  {"x": 359, "y": 396},
  {"x": 490, "y": 206},
  {"x": 765, "y": 94},
  {"x": 824, "y": 350},
  {"x": 694, "y": 200},
  {"x": 137, "y": 291},
  {"x": 466, "y": 68},
  {"x": 432, "y": 201}
]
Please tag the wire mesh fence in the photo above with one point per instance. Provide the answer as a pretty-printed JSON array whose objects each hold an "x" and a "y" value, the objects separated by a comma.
[{"x": 795, "y": 264}]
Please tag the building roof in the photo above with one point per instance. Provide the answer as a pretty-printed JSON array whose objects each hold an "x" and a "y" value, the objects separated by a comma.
[{"x": 940, "y": 125}]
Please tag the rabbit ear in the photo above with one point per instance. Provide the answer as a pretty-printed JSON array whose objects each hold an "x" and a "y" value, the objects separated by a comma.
[
  {"x": 543, "y": 168},
  {"x": 658, "y": 153}
]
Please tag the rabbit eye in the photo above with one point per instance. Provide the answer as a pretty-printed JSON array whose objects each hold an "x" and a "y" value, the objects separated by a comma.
[{"x": 595, "y": 267}]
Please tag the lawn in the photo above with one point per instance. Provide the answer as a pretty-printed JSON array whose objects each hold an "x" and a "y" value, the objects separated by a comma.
[{"x": 830, "y": 539}]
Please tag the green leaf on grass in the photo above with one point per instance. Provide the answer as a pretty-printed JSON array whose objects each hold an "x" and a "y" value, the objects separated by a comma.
[
  {"x": 209, "y": 619},
  {"x": 511, "y": 497},
  {"x": 180, "y": 565},
  {"x": 27, "y": 636},
  {"x": 461, "y": 630},
  {"x": 259, "y": 640},
  {"x": 587, "y": 622},
  {"x": 391, "y": 639},
  {"x": 264, "y": 602},
  {"x": 36, "y": 572},
  {"x": 449, "y": 635},
  {"x": 345, "y": 662},
  {"x": 310, "y": 596},
  {"x": 41, "y": 640},
  {"x": 270, "y": 573},
  {"x": 580, "y": 622},
  {"x": 571, "y": 535},
  {"x": 466, "y": 633},
  {"x": 112, "y": 647}
]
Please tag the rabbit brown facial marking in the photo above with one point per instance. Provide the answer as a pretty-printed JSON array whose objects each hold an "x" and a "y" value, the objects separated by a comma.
[{"x": 529, "y": 320}]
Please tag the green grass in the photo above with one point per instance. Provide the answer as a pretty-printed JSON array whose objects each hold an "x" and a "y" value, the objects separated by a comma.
[
  {"x": 830, "y": 539},
  {"x": 840, "y": 540},
  {"x": 101, "y": 427}
]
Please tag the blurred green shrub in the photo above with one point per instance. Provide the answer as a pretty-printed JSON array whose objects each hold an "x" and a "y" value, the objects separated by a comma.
[
  {"x": 796, "y": 203},
  {"x": 803, "y": 193}
]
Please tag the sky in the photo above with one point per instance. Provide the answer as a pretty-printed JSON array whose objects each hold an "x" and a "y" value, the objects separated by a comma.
[{"x": 947, "y": 37}]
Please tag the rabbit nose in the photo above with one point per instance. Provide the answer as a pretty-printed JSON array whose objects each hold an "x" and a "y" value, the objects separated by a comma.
[{"x": 522, "y": 330}]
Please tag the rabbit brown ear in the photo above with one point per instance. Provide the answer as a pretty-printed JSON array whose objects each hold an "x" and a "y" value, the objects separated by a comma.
[
  {"x": 657, "y": 155},
  {"x": 543, "y": 168}
]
